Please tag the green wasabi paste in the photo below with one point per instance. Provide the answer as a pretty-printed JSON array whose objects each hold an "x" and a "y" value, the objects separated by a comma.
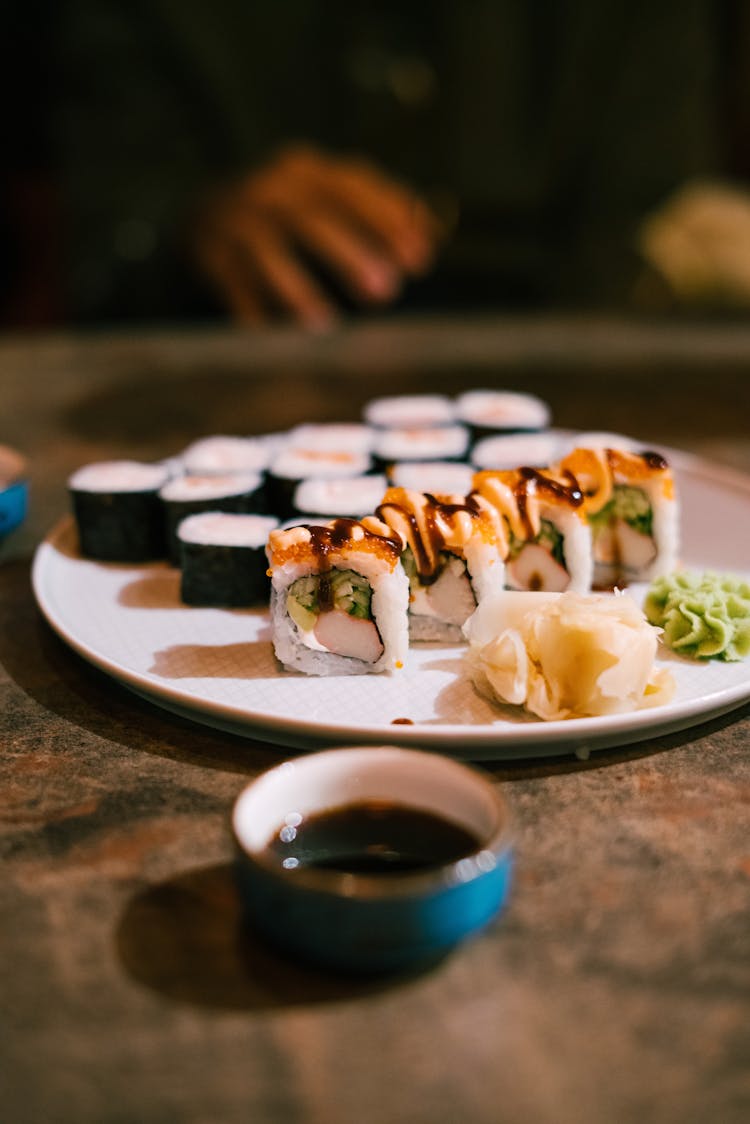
[{"x": 703, "y": 615}]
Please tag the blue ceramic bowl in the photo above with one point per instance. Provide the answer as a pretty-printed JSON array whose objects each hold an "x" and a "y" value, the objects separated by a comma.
[
  {"x": 14, "y": 490},
  {"x": 371, "y": 922}
]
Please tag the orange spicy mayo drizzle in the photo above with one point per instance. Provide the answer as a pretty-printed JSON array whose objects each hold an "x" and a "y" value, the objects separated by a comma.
[
  {"x": 561, "y": 492},
  {"x": 641, "y": 466},
  {"x": 516, "y": 493},
  {"x": 430, "y": 525},
  {"x": 596, "y": 470}
]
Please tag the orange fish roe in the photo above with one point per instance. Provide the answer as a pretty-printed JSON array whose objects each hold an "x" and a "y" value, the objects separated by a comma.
[{"x": 297, "y": 544}]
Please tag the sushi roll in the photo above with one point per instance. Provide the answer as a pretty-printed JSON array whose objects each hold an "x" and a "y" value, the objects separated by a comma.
[
  {"x": 547, "y": 544},
  {"x": 239, "y": 492},
  {"x": 410, "y": 411},
  {"x": 437, "y": 477},
  {"x": 219, "y": 454},
  {"x": 223, "y": 559},
  {"x": 352, "y": 497},
  {"x": 631, "y": 506},
  {"x": 339, "y": 598},
  {"x": 441, "y": 443},
  {"x": 539, "y": 450},
  {"x": 293, "y": 465},
  {"x": 331, "y": 437},
  {"x": 118, "y": 511},
  {"x": 452, "y": 557},
  {"x": 490, "y": 413}
]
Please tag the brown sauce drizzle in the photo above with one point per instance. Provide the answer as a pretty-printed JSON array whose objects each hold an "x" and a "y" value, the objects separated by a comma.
[
  {"x": 420, "y": 554},
  {"x": 337, "y": 534},
  {"x": 569, "y": 493},
  {"x": 426, "y": 554},
  {"x": 654, "y": 460}
]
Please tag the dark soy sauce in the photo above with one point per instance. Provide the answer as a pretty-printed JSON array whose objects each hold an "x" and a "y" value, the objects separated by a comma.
[{"x": 372, "y": 837}]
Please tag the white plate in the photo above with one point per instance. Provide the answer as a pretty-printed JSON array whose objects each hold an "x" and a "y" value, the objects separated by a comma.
[{"x": 217, "y": 667}]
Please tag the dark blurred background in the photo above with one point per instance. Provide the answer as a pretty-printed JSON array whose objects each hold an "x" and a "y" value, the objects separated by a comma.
[{"x": 580, "y": 155}]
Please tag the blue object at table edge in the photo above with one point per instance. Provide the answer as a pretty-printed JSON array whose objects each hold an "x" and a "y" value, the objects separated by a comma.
[{"x": 14, "y": 502}]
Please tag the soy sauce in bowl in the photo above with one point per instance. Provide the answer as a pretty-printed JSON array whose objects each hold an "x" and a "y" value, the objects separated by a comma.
[
  {"x": 372, "y": 837},
  {"x": 371, "y": 858}
]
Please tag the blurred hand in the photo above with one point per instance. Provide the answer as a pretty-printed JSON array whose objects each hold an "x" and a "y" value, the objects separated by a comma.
[{"x": 254, "y": 239}]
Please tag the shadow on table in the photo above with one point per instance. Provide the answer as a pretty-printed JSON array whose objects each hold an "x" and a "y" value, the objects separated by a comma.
[
  {"x": 70, "y": 689},
  {"x": 616, "y": 755},
  {"x": 185, "y": 939}
]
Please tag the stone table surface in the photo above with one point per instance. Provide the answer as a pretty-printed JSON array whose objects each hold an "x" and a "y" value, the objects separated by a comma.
[{"x": 615, "y": 987}]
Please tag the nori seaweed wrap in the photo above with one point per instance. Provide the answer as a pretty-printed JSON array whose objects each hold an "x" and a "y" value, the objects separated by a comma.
[
  {"x": 293, "y": 465},
  {"x": 240, "y": 493},
  {"x": 223, "y": 559},
  {"x": 118, "y": 511}
]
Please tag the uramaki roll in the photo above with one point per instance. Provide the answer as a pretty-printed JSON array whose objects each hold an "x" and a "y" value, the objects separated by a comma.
[
  {"x": 631, "y": 505},
  {"x": 452, "y": 556},
  {"x": 339, "y": 598},
  {"x": 547, "y": 538}
]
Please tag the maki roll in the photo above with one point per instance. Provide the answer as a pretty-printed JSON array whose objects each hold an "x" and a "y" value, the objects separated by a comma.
[
  {"x": 293, "y": 465},
  {"x": 441, "y": 443},
  {"x": 239, "y": 492},
  {"x": 118, "y": 511},
  {"x": 631, "y": 506},
  {"x": 511, "y": 449},
  {"x": 339, "y": 598},
  {"x": 331, "y": 437},
  {"x": 218, "y": 455},
  {"x": 494, "y": 412},
  {"x": 410, "y": 411},
  {"x": 223, "y": 559},
  {"x": 547, "y": 540},
  {"x": 352, "y": 497},
  {"x": 437, "y": 477},
  {"x": 452, "y": 557}
]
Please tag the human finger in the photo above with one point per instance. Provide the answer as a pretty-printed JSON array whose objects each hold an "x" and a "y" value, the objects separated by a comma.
[
  {"x": 341, "y": 246},
  {"x": 282, "y": 276},
  {"x": 389, "y": 213},
  {"x": 229, "y": 275}
]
